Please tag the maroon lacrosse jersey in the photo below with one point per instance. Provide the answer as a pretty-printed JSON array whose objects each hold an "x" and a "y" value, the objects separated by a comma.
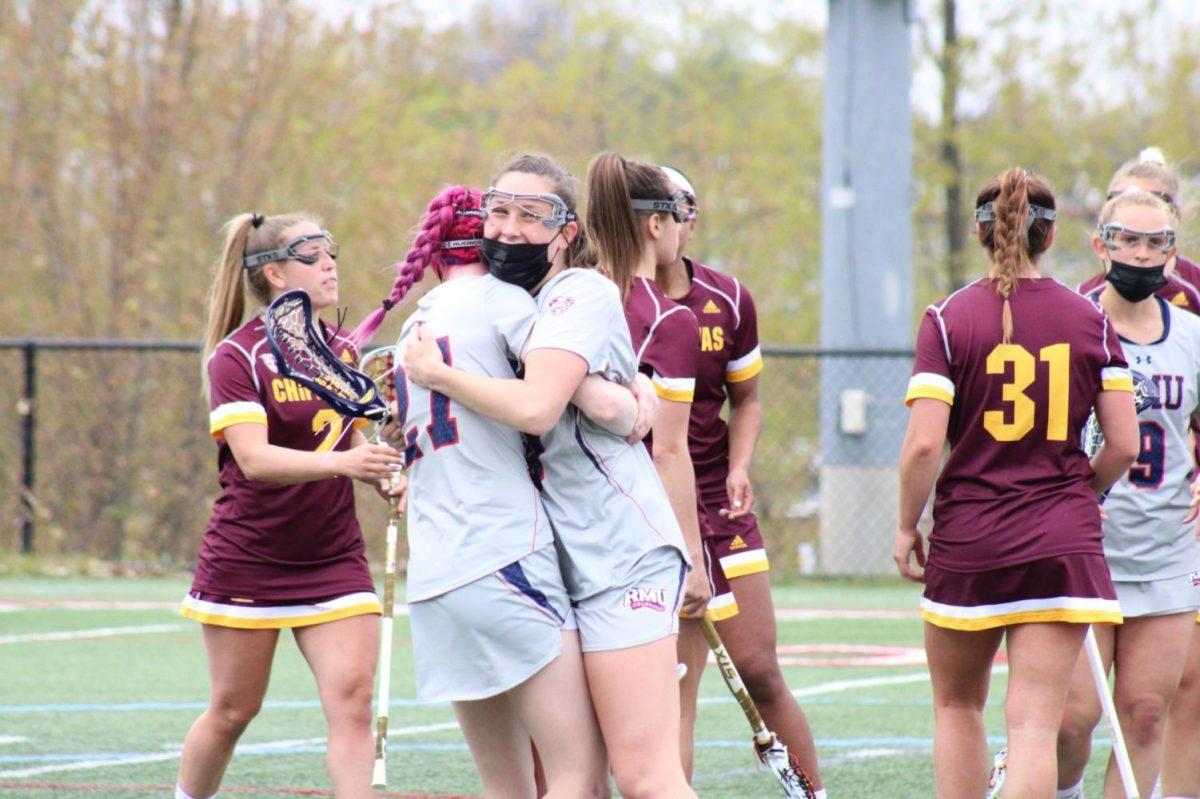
[
  {"x": 1016, "y": 487},
  {"x": 729, "y": 353},
  {"x": 267, "y": 541},
  {"x": 666, "y": 341},
  {"x": 1182, "y": 288}
]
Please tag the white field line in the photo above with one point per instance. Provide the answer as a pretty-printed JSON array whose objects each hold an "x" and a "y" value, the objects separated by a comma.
[
  {"x": 158, "y": 757},
  {"x": 841, "y": 686},
  {"x": 12, "y": 739},
  {"x": 98, "y": 632},
  {"x": 835, "y": 760}
]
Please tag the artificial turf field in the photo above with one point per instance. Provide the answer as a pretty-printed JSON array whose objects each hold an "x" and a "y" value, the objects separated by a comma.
[{"x": 101, "y": 678}]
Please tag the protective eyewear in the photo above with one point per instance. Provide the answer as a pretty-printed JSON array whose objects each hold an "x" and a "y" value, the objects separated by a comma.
[
  {"x": 1119, "y": 237},
  {"x": 1162, "y": 195},
  {"x": 549, "y": 209},
  {"x": 305, "y": 249},
  {"x": 676, "y": 205},
  {"x": 987, "y": 213}
]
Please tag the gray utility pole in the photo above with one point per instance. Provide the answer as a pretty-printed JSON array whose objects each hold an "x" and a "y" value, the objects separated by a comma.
[{"x": 866, "y": 280}]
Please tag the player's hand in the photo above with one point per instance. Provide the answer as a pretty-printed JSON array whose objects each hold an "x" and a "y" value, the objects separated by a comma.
[
  {"x": 422, "y": 358},
  {"x": 368, "y": 462},
  {"x": 741, "y": 494},
  {"x": 1103, "y": 513},
  {"x": 393, "y": 432},
  {"x": 907, "y": 544},
  {"x": 696, "y": 592},
  {"x": 1194, "y": 506},
  {"x": 395, "y": 485},
  {"x": 647, "y": 407}
]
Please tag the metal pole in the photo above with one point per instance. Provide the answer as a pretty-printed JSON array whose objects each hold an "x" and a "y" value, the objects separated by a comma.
[{"x": 28, "y": 409}]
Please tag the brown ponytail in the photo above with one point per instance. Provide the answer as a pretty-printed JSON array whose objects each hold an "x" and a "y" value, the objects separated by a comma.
[
  {"x": 616, "y": 235},
  {"x": 1014, "y": 241},
  {"x": 244, "y": 234}
]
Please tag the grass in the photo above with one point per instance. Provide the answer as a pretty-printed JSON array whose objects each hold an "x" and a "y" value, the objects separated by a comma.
[{"x": 105, "y": 716}]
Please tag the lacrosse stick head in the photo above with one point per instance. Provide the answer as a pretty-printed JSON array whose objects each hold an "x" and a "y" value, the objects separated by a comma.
[
  {"x": 1145, "y": 396},
  {"x": 379, "y": 364},
  {"x": 303, "y": 355},
  {"x": 784, "y": 766}
]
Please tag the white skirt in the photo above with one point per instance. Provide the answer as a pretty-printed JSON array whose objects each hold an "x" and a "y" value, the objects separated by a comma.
[{"x": 490, "y": 635}]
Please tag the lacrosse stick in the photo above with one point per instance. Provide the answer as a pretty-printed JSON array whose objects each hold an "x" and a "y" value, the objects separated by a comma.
[
  {"x": 303, "y": 355},
  {"x": 770, "y": 750},
  {"x": 1144, "y": 394},
  {"x": 379, "y": 365}
]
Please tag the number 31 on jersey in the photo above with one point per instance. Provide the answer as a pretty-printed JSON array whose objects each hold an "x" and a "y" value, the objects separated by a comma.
[{"x": 1017, "y": 420}]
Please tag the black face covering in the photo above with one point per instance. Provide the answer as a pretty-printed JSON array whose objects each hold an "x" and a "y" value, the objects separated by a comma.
[
  {"x": 1136, "y": 283},
  {"x": 523, "y": 265}
]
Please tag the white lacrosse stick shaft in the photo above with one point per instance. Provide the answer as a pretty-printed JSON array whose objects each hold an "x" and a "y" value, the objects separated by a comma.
[
  {"x": 379, "y": 776},
  {"x": 1120, "y": 753}
]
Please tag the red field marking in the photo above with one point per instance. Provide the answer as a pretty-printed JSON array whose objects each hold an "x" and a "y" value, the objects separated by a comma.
[
  {"x": 169, "y": 789},
  {"x": 860, "y": 655},
  {"x": 831, "y": 613}
]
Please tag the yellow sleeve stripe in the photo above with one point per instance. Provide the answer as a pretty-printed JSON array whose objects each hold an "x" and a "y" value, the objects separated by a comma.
[
  {"x": 675, "y": 389},
  {"x": 674, "y": 394},
  {"x": 745, "y": 373},
  {"x": 232, "y": 413},
  {"x": 929, "y": 385},
  {"x": 927, "y": 392},
  {"x": 1117, "y": 384}
]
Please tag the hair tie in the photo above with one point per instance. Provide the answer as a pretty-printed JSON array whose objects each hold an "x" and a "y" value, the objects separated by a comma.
[
  {"x": 388, "y": 305},
  {"x": 257, "y": 219}
]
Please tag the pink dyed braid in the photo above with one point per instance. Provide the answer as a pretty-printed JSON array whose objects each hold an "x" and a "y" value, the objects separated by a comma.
[{"x": 445, "y": 220}]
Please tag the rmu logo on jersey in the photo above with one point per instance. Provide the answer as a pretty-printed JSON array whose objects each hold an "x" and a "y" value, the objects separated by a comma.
[
  {"x": 268, "y": 360},
  {"x": 559, "y": 305},
  {"x": 712, "y": 339},
  {"x": 652, "y": 598},
  {"x": 1195, "y": 579}
]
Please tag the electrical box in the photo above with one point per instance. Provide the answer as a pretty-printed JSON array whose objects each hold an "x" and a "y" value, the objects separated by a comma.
[{"x": 852, "y": 418}]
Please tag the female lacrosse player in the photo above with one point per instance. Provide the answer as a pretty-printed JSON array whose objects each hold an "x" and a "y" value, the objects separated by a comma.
[
  {"x": 488, "y": 607},
  {"x": 1181, "y": 741},
  {"x": 1150, "y": 172},
  {"x": 1007, "y": 369},
  {"x": 1151, "y": 549},
  {"x": 620, "y": 546},
  {"x": 735, "y": 557},
  {"x": 283, "y": 546}
]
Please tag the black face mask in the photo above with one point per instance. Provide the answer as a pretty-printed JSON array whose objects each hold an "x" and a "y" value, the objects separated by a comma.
[
  {"x": 523, "y": 265},
  {"x": 1135, "y": 283}
]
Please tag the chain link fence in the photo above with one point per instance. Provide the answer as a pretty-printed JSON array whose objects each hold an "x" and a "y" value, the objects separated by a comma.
[{"x": 112, "y": 437}]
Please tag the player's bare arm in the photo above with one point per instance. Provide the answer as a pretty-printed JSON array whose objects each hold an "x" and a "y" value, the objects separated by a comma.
[
  {"x": 745, "y": 424},
  {"x": 920, "y": 455},
  {"x": 260, "y": 460}
]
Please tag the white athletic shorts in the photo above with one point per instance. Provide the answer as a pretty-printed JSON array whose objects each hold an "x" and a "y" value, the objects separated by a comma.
[
  {"x": 1159, "y": 597},
  {"x": 644, "y": 607},
  {"x": 490, "y": 635}
]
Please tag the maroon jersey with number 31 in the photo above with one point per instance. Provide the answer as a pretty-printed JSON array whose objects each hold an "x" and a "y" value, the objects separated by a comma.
[{"x": 1016, "y": 487}]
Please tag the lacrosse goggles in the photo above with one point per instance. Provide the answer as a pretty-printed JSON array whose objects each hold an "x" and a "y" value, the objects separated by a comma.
[
  {"x": 1119, "y": 237},
  {"x": 305, "y": 249},
  {"x": 987, "y": 213},
  {"x": 549, "y": 209},
  {"x": 676, "y": 205}
]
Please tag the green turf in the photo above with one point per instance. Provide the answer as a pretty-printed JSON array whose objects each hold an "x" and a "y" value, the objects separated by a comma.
[{"x": 135, "y": 695}]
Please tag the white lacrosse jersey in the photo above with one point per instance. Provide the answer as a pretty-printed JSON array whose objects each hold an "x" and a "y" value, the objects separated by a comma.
[
  {"x": 472, "y": 507},
  {"x": 605, "y": 499},
  {"x": 1145, "y": 537}
]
